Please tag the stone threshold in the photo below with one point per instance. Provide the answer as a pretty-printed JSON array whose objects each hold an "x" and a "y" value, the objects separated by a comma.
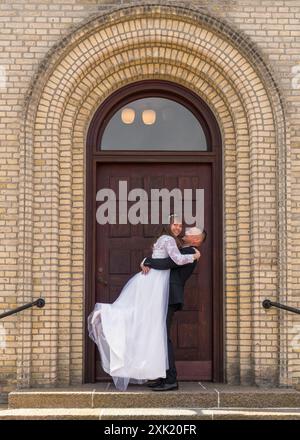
[
  {"x": 190, "y": 395},
  {"x": 149, "y": 413}
]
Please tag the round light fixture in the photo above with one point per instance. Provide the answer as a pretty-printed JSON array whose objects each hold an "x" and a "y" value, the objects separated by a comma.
[
  {"x": 128, "y": 115},
  {"x": 149, "y": 117}
]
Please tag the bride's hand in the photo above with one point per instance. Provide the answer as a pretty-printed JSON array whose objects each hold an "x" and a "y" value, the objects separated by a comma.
[{"x": 197, "y": 254}]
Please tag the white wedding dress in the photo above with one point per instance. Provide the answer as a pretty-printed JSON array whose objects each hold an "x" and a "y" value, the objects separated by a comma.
[{"x": 131, "y": 333}]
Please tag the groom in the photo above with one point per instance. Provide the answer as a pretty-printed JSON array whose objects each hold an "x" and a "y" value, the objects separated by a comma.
[{"x": 194, "y": 237}]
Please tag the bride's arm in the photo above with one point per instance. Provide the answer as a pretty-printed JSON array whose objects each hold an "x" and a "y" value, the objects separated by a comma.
[
  {"x": 174, "y": 253},
  {"x": 167, "y": 263}
]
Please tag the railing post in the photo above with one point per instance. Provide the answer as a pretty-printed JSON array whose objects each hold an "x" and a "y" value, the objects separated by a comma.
[
  {"x": 40, "y": 302},
  {"x": 267, "y": 304}
]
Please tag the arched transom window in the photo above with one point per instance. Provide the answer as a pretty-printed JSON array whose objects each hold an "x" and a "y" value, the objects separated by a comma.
[{"x": 154, "y": 123}]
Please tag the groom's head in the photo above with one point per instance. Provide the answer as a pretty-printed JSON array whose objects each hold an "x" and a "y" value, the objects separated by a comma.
[{"x": 194, "y": 236}]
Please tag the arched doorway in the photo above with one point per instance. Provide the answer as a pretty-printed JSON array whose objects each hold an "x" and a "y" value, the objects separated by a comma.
[{"x": 179, "y": 146}]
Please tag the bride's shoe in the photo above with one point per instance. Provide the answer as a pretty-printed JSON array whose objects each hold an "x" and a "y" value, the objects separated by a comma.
[
  {"x": 164, "y": 386},
  {"x": 154, "y": 383}
]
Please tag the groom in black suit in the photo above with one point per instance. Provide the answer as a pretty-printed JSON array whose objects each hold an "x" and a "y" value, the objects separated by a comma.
[{"x": 178, "y": 277}]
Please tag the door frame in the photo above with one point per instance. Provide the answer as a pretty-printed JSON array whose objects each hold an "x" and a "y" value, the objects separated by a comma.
[{"x": 203, "y": 113}]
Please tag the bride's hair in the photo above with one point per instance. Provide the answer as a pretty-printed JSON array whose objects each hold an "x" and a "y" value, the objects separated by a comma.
[{"x": 166, "y": 230}]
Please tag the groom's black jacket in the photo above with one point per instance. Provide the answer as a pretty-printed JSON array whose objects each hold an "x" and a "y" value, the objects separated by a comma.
[{"x": 178, "y": 275}]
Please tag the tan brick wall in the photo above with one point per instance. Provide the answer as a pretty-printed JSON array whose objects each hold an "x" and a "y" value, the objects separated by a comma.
[{"x": 79, "y": 56}]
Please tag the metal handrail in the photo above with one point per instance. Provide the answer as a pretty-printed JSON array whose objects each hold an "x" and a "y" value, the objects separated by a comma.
[
  {"x": 39, "y": 303},
  {"x": 267, "y": 304}
]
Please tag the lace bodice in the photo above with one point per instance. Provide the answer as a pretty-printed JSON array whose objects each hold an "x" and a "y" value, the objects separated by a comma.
[{"x": 166, "y": 246}]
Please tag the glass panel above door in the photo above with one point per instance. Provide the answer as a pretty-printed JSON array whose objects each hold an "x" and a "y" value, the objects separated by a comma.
[{"x": 154, "y": 123}]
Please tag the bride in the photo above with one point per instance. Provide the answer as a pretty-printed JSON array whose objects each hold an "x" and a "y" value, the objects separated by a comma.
[{"x": 131, "y": 333}]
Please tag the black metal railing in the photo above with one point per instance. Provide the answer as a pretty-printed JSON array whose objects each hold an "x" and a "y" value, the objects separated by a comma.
[
  {"x": 267, "y": 304},
  {"x": 39, "y": 303}
]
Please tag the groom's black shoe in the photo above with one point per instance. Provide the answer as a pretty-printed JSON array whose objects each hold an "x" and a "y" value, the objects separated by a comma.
[
  {"x": 165, "y": 386},
  {"x": 154, "y": 383}
]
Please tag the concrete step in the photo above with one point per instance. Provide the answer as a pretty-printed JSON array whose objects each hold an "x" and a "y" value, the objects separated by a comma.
[
  {"x": 149, "y": 413},
  {"x": 190, "y": 395}
]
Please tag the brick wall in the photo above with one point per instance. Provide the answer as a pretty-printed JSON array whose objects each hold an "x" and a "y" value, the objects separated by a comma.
[{"x": 42, "y": 196}]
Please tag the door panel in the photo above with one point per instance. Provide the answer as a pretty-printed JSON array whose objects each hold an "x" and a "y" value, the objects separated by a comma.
[{"x": 121, "y": 248}]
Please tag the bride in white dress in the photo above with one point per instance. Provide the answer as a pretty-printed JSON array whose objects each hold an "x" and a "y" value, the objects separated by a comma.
[{"x": 131, "y": 333}]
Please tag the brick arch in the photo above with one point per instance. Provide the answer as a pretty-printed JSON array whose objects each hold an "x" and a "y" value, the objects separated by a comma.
[{"x": 183, "y": 46}]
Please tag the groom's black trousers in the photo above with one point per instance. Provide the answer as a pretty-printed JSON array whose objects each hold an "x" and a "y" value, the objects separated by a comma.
[
  {"x": 171, "y": 375},
  {"x": 178, "y": 277}
]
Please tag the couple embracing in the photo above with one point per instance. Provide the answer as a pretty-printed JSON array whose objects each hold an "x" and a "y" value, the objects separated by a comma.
[{"x": 133, "y": 333}]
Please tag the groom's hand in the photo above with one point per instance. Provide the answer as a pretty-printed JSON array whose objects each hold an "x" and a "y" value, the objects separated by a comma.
[{"x": 145, "y": 269}]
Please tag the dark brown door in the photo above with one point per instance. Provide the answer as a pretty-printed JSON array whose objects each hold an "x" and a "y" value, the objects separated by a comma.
[
  {"x": 120, "y": 249},
  {"x": 114, "y": 252}
]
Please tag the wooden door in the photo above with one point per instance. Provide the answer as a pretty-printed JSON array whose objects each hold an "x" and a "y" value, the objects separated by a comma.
[
  {"x": 114, "y": 252},
  {"x": 121, "y": 247}
]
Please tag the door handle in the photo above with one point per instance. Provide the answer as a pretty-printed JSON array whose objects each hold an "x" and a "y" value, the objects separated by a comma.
[{"x": 100, "y": 279}]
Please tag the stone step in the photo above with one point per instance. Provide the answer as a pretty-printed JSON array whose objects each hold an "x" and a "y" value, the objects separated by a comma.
[
  {"x": 149, "y": 413},
  {"x": 190, "y": 394}
]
